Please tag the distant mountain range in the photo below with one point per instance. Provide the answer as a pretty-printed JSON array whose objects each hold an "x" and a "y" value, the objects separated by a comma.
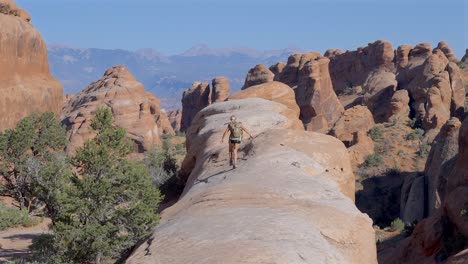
[{"x": 164, "y": 76}]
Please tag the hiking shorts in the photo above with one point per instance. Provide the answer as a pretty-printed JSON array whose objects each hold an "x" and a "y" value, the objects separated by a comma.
[{"x": 235, "y": 140}]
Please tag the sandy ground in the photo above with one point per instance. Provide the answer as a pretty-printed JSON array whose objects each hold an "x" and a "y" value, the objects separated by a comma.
[{"x": 14, "y": 242}]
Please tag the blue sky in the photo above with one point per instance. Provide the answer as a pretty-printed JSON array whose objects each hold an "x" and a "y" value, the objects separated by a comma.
[{"x": 173, "y": 26}]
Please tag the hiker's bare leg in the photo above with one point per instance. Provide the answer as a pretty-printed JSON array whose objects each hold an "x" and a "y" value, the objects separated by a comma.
[
  {"x": 236, "y": 146},
  {"x": 231, "y": 149}
]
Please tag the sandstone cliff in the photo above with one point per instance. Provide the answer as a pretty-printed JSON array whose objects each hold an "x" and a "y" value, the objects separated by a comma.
[
  {"x": 134, "y": 109},
  {"x": 26, "y": 85},
  {"x": 289, "y": 201}
]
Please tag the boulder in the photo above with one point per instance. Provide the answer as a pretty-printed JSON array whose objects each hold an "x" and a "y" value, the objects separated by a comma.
[
  {"x": 447, "y": 51},
  {"x": 26, "y": 85},
  {"x": 319, "y": 105},
  {"x": 272, "y": 91},
  {"x": 399, "y": 107},
  {"x": 289, "y": 201},
  {"x": 353, "y": 120},
  {"x": 277, "y": 68},
  {"x": 258, "y": 75},
  {"x": 133, "y": 109}
]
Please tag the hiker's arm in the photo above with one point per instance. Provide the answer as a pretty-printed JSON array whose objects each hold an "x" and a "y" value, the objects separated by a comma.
[
  {"x": 243, "y": 128},
  {"x": 225, "y": 133}
]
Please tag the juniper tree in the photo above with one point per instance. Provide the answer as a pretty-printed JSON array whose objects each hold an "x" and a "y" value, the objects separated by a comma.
[{"x": 110, "y": 203}]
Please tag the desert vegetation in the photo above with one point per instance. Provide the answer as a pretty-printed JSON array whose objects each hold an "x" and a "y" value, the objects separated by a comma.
[{"x": 100, "y": 202}]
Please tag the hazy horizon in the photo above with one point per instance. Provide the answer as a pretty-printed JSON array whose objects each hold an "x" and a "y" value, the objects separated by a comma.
[{"x": 174, "y": 27}]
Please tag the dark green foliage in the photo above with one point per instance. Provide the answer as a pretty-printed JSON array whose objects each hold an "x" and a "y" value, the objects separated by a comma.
[
  {"x": 397, "y": 225},
  {"x": 417, "y": 134},
  {"x": 462, "y": 64},
  {"x": 13, "y": 217},
  {"x": 375, "y": 133},
  {"x": 372, "y": 160},
  {"x": 109, "y": 204},
  {"x": 34, "y": 141}
]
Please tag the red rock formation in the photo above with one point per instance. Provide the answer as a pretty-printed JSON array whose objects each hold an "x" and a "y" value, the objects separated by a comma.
[
  {"x": 447, "y": 51},
  {"x": 277, "y": 68},
  {"x": 320, "y": 108},
  {"x": 175, "y": 118},
  {"x": 290, "y": 73},
  {"x": 465, "y": 57},
  {"x": 26, "y": 85},
  {"x": 434, "y": 239},
  {"x": 258, "y": 75},
  {"x": 134, "y": 110},
  {"x": 400, "y": 110},
  {"x": 201, "y": 95},
  {"x": 220, "y": 89}
]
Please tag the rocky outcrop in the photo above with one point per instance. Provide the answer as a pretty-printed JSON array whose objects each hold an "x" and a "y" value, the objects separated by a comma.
[
  {"x": 399, "y": 107},
  {"x": 175, "y": 117},
  {"x": 26, "y": 85},
  {"x": 465, "y": 57},
  {"x": 351, "y": 129},
  {"x": 352, "y": 68},
  {"x": 201, "y": 95},
  {"x": 447, "y": 51},
  {"x": 194, "y": 99},
  {"x": 434, "y": 85},
  {"x": 272, "y": 91},
  {"x": 289, "y": 201},
  {"x": 277, "y": 68},
  {"x": 444, "y": 233},
  {"x": 441, "y": 159},
  {"x": 290, "y": 73},
  {"x": 319, "y": 105},
  {"x": 220, "y": 90},
  {"x": 133, "y": 109},
  {"x": 258, "y": 75}
]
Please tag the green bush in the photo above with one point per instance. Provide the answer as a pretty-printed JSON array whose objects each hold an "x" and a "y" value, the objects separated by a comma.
[
  {"x": 13, "y": 217},
  {"x": 373, "y": 160},
  {"x": 462, "y": 64},
  {"x": 161, "y": 165},
  {"x": 375, "y": 133},
  {"x": 397, "y": 225},
  {"x": 424, "y": 150},
  {"x": 417, "y": 134}
]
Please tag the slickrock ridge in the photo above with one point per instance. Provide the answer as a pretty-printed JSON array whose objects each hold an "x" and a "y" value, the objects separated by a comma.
[
  {"x": 134, "y": 109},
  {"x": 258, "y": 75},
  {"x": 429, "y": 241},
  {"x": 26, "y": 85},
  {"x": 289, "y": 201},
  {"x": 201, "y": 95}
]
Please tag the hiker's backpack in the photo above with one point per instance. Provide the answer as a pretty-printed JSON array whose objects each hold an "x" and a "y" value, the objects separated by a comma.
[{"x": 236, "y": 129}]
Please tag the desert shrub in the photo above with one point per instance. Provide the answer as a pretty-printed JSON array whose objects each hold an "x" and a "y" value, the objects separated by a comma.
[
  {"x": 401, "y": 153},
  {"x": 180, "y": 134},
  {"x": 161, "y": 165},
  {"x": 417, "y": 134},
  {"x": 395, "y": 171},
  {"x": 372, "y": 160},
  {"x": 416, "y": 122},
  {"x": 397, "y": 225},
  {"x": 462, "y": 64},
  {"x": 13, "y": 217},
  {"x": 375, "y": 133}
]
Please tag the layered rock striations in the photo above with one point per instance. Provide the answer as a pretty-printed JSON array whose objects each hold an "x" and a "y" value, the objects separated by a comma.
[
  {"x": 289, "y": 201},
  {"x": 26, "y": 85},
  {"x": 133, "y": 109},
  {"x": 201, "y": 95}
]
